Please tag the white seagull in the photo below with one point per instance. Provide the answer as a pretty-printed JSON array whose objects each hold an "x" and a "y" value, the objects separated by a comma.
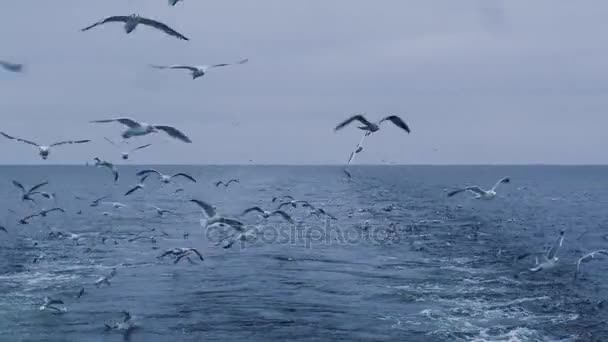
[
  {"x": 105, "y": 279},
  {"x": 125, "y": 154},
  {"x": 49, "y": 304},
  {"x": 267, "y": 214},
  {"x": 133, "y": 20},
  {"x": 166, "y": 179},
  {"x": 370, "y": 127},
  {"x": 586, "y": 258},
  {"x": 139, "y": 128},
  {"x": 213, "y": 219},
  {"x": 479, "y": 192},
  {"x": 107, "y": 165},
  {"x": 44, "y": 151},
  {"x": 198, "y": 71},
  {"x": 550, "y": 259},
  {"x": 14, "y": 67}
]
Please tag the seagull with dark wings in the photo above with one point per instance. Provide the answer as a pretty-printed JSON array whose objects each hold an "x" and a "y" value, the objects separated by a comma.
[
  {"x": 43, "y": 150},
  {"x": 370, "y": 127},
  {"x": 107, "y": 165},
  {"x": 226, "y": 184},
  {"x": 197, "y": 71},
  {"x": 42, "y": 213},
  {"x": 26, "y": 195},
  {"x": 212, "y": 218},
  {"x": 479, "y": 192},
  {"x": 180, "y": 253},
  {"x": 166, "y": 179},
  {"x": 132, "y": 21},
  {"x": 140, "y": 128},
  {"x": 125, "y": 154},
  {"x": 267, "y": 214}
]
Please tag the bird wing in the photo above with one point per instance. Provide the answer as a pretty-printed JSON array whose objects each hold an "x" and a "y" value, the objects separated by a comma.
[
  {"x": 174, "y": 133},
  {"x": 125, "y": 121},
  {"x": 232, "y": 181},
  {"x": 283, "y": 215},
  {"x": 146, "y": 172},
  {"x": 197, "y": 253},
  {"x": 127, "y": 316},
  {"x": 110, "y": 141},
  {"x": 55, "y": 209},
  {"x": 141, "y": 147},
  {"x": 162, "y": 27},
  {"x": 282, "y": 205},
  {"x": 207, "y": 208},
  {"x": 502, "y": 180},
  {"x": 556, "y": 246},
  {"x": 587, "y": 257},
  {"x": 19, "y": 139},
  {"x": 475, "y": 189},
  {"x": 358, "y": 117},
  {"x": 70, "y": 142},
  {"x": 36, "y": 187},
  {"x": 137, "y": 187},
  {"x": 175, "y": 66},
  {"x": 242, "y": 61},
  {"x": 218, "y": 183},
  {"x": 107, "y": 20},
  {"x": 19, "y": 185},
  {"x": 247, "y": 211},
  {"x": 185, "y": 176},
  {"x": 54, "y": 301},
  {"x": 11, "y": 66},
  {"x": 397, "y": 121}
]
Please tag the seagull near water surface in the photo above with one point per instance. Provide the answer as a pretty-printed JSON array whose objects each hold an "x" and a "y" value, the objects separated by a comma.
[
  {"x": 132, "y": 21},
  {"x": 198, "y": 71},
  {"x": 140, "y": 128},
  {"x": 479, "y": 192},
  {"x": 44, "y": 150}
]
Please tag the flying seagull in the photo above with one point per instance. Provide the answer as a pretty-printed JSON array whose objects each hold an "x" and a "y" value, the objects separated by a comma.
[
  {"x": 97, "y": 201},
  {"x": 166, "y": 179},
  {"x": 139, "y": 128},
  {"x": 370, "y": 127},
  {"x": 105, "y": 279},
  {"x": 132, "y": 21},
  {"x": 180, "y": 253},
  {"x": 14, "y": 67},
  {"x": 213, "y": 219},
  {"x": 226, "y": 184},
  {"x": 27, "y": 195},
  {"x": 139, "y": 186},
  {"x": 107, "y": 165},
  {"x": 49, "y": 304},
  {"x": 479, "y": 192},
  {"x": 44, "y": 151},
  {"x": 161, "y": 212},
  {"x": 125, "y": 154},
  {"x": 197, "y": 71},
  {"x": 267, "y": 214},
  {"x": 548, "y": 259},
  {"x": 586, "y": 258},
  {"x": 42, "y": 213}
]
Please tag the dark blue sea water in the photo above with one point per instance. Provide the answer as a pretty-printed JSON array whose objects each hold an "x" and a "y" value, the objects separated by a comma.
[{"x": 402, "y": 263}]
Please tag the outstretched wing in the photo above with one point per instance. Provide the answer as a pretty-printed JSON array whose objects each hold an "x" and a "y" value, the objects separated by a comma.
[
  {"x": 19, "y": 185},
  {"x": 502, "y": 180},
  {"x": 125, "y": 121},
  {"x": 397, "y": 121},
  {"x": 556, "y": 246},
  {"x": 137, "y": 187},
  {"x": 175, "y": 66},
  {"x": 197, "y": 253},
  {"x": 162, "y": 27},
  {"x": 247, "y": 211},
  {"x": 174, "y": 133},
  {"x": 37, "y": 186},
  {"x": 18, "y": 139},
  {"x": 242, "y": 61},
  {"x": 358, "y": 117},
  {"x": 207, "y": 208},
  {"x": 145, "y": 172},
  {"x": 107, "y": 20},
  {"x": 141, "y": 147},
  {"x": 70, "y": 142},
  {"x": 283, "y": 215},
  {"x": 185, "y": 176},
  {"x": 588, "y": 257}
]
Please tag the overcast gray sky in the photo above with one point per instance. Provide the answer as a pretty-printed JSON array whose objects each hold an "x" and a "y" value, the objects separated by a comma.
[{"x": 478, "y": 81}]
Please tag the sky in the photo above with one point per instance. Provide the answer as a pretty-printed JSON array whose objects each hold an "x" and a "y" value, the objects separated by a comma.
[{"x": 478, "y": 81}]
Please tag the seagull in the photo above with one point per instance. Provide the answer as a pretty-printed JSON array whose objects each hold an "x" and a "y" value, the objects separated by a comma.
[
  {"x": 226, "y": 184},
  {"x": 480, "y": 193},
  {"x": 139, "y": 186},
  {"x": 105, "y": 279},
  {"x": 107, "y": 165},
  {"x": 549, "y": 259},
  {"x": 267, "y": 214},
  {"x": 139, "y": 128},
  {"x": 49, "y": 303},
  {"x": 294, "y": 204},
  {"x": 166, "y": 178},
  {"x": 14, "y": 67},
  {"x": 320, "y": 212},
  {"x": 125, "y": 155},
  {"x": 96, "y": 202},
  {"x": 369, "y": 127},
  {"x": 133, "y": 20},
  {"x": 115, "y": 205},
  {"x": 180, "y": 253},
  {"x": 44, "y": 151},
  {"x": 162, "y": 212},
  {"x": 198, "y": 71},
  {"x": 586, "y": 258},
  {"x": 213, "y": 218},
  {"x": 174, "y": 2},
  {"x": 125, "y": 325},
  {"x": 27, "y": 195},
  {"x": 42, "y": 213}
]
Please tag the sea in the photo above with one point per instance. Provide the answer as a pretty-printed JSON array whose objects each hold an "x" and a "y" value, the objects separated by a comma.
[{"x": 401, "y": 261}]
